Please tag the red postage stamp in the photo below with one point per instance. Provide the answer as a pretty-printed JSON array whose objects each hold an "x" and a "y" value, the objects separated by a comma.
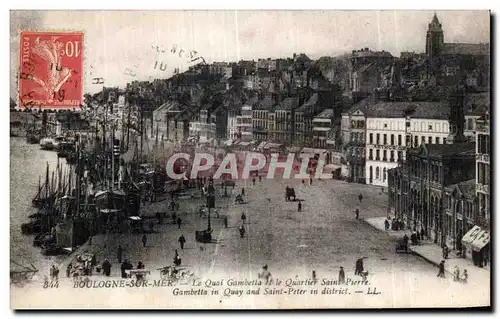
[{"x": 51, "y": 70}]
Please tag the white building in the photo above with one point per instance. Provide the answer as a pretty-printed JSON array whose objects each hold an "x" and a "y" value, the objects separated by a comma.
[
  {"x": 202, "y": 127},
  {"x": 393, "y": 127},
  {"x": 232, "y": 128},
  {"x": 385, "y": 145},
  {"x": 244, "y": 123}
]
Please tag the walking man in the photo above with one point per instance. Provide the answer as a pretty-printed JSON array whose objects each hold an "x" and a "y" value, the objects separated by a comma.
[
  {"x": 225, "y": 221},
  {"x": 265, "y": 274},
  {"x": 405, "y": 242},
  {"x": 144, "y": 240},
  {"x": 341, "y": 276},
  {"x": 243, "y": 217},
  {"x": 182, "y": 241},
  {"x": 300, "y": 206},
  {"x": 360, "y": 197},
  {"x": 253, "y": 181},
  {"x": 119, "y": 253},
  {"x": 242, "y": 192},
  {"x": 179, "y": 222},
  {"x": 441, "y": 269},
  {"x": 242, "y": 231},
  {"x": 357, "y": 213},
  {"x": 106, "y": 268}
]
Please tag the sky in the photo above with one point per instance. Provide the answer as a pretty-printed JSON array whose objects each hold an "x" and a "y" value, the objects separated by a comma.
[{"x": 120, "y": 40}]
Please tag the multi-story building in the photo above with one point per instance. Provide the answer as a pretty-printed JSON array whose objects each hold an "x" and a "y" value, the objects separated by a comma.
[
  {"x": 393, "y": 127},
  {"x": 260, "y": 118},
  {"x": 417, "y": 187},
  {"x": 169, "y": 121},
  {"x": 232, "y": 127},
  {"x": 353, "y": 145},
  {"x": 459, "y": 213},
  {"x": 476, "y": 106},
  {"x": 203, "y": 127},
  {"x": 323, "y": 129},
  {"x": 480, "y": 248},
  {"x": 244, "y": 121}
]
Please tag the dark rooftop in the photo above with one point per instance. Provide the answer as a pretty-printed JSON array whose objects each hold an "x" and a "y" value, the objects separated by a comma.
[
  {"x": 466, "y": 48},
  {"x": 328, "y": 113},
  {"x": 467, "y": 148}
]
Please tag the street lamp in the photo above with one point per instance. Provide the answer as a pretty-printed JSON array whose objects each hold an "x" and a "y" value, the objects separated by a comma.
[{"x": 210, "y": 202}]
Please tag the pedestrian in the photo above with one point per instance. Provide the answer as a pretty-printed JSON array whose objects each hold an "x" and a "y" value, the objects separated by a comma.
[
  {"x": 56, "y": 272},
  {"x": 341, "y": 276},
  {"x": 119, "y": 253},
  {"x": 265, "y": 274},
  {"x": 260, "y": 178},
  {"x": 360, "y": 197},
  {"x": 253, "y": 181},
  {"x": 242, "y": 231},
  {"x": 456, "y": 274},
  {"x": 182, "y": 241},
  {"x": 174, "y": 217},
  {"x": 357, "y": 213},
  {"x": 359, "y": 267},
  {"x": 177, "y": 259},
  {"x": 106, "y": 268},
  {"x": 225, "y": 221},
  {"x": 68, "y": 269},
  {"x": 314, "y": 278},
  {"x": 465, "y": 276},
  {"x": 441, "y": 269},
  {"x": 445, "y": 252},
  {"x": 179, "y": 222},
  {"x": 386, "y": 224},
  {"x": 405, "y": 242},
  {"x": 140, "y": 265},
  {"x": 243, "y": 217},
  {"x": 242, "y": 191},
  {"x": 300, "y": 206},
  {"x": 144, "y": 240},
  {"x": 310, "y": 181}
]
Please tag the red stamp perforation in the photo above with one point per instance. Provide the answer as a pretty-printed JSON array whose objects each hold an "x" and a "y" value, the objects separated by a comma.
[{"x": 51, "y": 70}]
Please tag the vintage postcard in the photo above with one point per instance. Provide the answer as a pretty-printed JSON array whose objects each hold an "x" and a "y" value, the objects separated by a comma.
[{"x": 250, "y": 159}]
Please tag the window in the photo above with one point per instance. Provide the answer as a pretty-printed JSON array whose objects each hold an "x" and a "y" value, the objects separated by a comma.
[
  {"x": 400, "y": 139},
  {"x": 371, "y": 154},
  {"x": 470, "y": 125},
  {"x": 371, "y": 138},
  {"x": 437, "y": 139},
  {"x": 416, "y": 140},
  {"x": 385, "y": 174},
  {"x": 430, "y": 127},
  {"x": 408, "y": 124},
  {"x": 377, "y": 173},
  {"x": 392, "y": 156},
  {"x": 400, "y": 156},
  {"x": 408, "y": 140},
  {"x": 377, "y": 155},
  {"x": 385, "y": 155},
  {"x": 423, "y": 139},
  {"x": 378, "y": 139},
  {"x": 385, "y": 139},
  {"x": 444, "y": 140},
  {"x": 392, "y": 139},
  {"x": 430, "y": 139},
  {"x": 385, "y": 125}
]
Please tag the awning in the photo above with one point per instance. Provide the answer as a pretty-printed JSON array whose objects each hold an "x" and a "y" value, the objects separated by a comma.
[
  {"x": 135, "y": 218},
  {"x": 482, "y": 240},
  {"x": 471, "y": 235}
]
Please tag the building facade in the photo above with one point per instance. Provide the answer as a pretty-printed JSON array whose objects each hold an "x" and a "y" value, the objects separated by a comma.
[{"x": 417, "y": 187}]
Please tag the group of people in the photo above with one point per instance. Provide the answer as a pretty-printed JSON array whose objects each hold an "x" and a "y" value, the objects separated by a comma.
[
  {"x": 456, "y": 273},
  {"x": 83, "y": 266}
]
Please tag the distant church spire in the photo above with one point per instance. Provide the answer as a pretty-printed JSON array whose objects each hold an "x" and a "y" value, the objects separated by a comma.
[{"x": 434, "y": 38}]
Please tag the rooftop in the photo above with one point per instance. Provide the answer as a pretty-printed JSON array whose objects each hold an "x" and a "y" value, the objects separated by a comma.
[
  {"x": 328, "y": 113},
  {"x": 466, "y": 48},
  {"x": 467, "y": 148}
]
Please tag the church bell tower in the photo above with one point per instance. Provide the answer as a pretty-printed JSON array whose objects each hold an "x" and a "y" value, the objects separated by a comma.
[{"x": 435, "y": 38}]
